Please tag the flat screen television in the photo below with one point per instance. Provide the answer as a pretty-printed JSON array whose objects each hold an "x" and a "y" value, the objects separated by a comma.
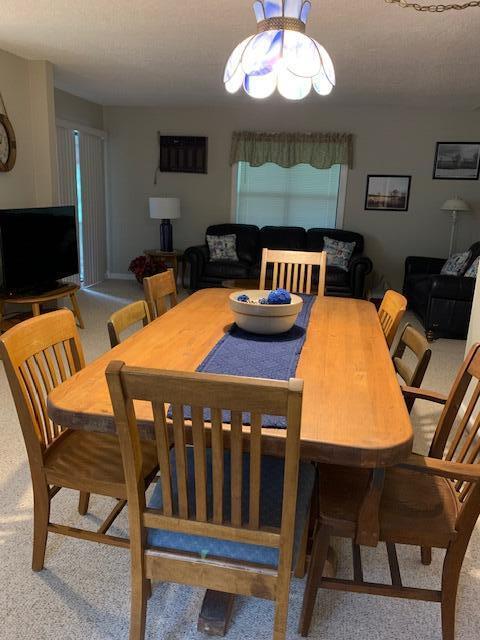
[{"x": 38, "y": 247}]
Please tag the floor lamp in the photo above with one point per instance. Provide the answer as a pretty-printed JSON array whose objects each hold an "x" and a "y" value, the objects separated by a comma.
[
  {"x": 165, "y": 209},
  {"x": 455, "y": 206}
]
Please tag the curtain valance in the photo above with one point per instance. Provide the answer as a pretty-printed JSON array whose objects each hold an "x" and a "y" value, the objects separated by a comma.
[{"x": 320, "y": 150}]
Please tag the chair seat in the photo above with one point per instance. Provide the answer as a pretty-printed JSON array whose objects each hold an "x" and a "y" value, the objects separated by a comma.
[
  {"x": 270, "y": 511},
  {"x": 92, "y": 462},
  {"x": 415, "y": 508}
]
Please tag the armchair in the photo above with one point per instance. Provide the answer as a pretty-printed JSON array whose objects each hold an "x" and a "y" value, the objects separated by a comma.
[{"x": 443, "y": 303}]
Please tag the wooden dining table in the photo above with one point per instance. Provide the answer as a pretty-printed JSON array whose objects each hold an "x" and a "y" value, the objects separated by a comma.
[{"x": 353, "y": 412}]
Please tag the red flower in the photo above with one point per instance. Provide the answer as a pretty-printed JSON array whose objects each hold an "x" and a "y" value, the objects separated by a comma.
[{"x": 143, "y": 267}]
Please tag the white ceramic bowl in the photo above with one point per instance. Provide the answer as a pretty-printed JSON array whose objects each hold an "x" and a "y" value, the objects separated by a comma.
[{"x": 266, "y": 319}]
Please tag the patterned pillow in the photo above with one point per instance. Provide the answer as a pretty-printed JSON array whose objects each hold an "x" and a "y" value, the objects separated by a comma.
[
  {"x": 223, "y": 248},
  {"x": 455, "y": 265},
  {"x": 472, "y": 270},
  {"x": 338, "y": 252}
]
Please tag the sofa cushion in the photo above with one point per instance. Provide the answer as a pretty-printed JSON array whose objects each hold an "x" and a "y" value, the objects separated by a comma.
[
  {"x": 315, "y": 238},
  {"x": 338, "y": 252},
  {"x": 248, "y": 235},
  {"x": 223, "y": 248},
  {"x": 283, "y": 238},
  {"x": 336, "y": 277},
  {"x": 272, "y": 470},
  {"x": 456, "y": 264},
  {"x": 472, "y": 270},
  {"x": 226, "y": 269}
]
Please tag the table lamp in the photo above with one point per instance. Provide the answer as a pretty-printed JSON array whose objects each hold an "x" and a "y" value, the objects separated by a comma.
[
  {"x": 454, "y": 205},
  {"x": 165, "y": 209}
]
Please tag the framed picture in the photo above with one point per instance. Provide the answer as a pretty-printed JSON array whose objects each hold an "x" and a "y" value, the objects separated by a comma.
[
  {"x": 387, "y": 193},
  {"x": 457, "y": 161}
]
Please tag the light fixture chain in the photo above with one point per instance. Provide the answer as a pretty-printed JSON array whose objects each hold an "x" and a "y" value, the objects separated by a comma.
[{"x": 434, "y": 8}]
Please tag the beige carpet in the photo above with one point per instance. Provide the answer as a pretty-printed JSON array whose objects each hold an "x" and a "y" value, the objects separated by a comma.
[{"x": 83, "y": 594}]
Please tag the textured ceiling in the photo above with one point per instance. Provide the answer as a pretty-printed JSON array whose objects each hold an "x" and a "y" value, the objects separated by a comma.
[{"x": 152, "y": 52}]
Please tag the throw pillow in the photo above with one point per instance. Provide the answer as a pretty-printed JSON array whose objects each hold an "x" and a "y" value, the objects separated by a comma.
[
  {"x": 472, "y": 270},
  {"x": 223, "y": 248},
  {"x": 338, "y": 252},
  {"x": 455, "y": 265}
]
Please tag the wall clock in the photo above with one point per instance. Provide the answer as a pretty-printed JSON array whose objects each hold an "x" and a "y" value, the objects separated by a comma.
[{"x": 8, "y": 144}]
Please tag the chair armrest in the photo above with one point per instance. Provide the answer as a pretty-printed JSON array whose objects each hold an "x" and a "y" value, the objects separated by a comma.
[
  {"x": 359, "y": 267},
  {"x": 443, "y": 468},
  {"x": 420, "y": 264},
  {"x": 424, "y": 394},
  {"x": 197, "y": 258},
  {"x": 453, "y": 287}
]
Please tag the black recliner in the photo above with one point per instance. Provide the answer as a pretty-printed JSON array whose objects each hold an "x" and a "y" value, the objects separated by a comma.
[{"x": 443, "y": 303}]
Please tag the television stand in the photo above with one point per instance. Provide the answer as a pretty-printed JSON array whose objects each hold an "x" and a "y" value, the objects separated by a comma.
[{"x": 63, "y": 291}]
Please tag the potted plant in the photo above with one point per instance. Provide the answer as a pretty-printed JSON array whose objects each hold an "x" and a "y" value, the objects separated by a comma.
[{"x": 143, "y": 267}]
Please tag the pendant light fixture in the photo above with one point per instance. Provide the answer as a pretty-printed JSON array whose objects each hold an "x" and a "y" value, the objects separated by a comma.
[{"x": 280, "y": 55}]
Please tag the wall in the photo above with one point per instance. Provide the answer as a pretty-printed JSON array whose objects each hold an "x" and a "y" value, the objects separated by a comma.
[
  {"x": 77, "y": 110},
  {"x": 27, "y": 88},
  {"x": 387, "y": 140},
  {"x": 474, "y": 331}
]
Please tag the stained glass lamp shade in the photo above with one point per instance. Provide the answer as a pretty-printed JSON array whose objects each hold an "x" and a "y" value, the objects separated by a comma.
[{"x": 280, "y": 56}]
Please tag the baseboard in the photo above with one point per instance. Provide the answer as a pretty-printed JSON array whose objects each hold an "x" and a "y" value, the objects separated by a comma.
[{"x": 120, "y": 276}]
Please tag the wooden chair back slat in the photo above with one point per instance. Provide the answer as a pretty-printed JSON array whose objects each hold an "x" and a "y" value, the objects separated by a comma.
[
  {"x": 200, "y": 463},
  {"x": 464, "y": 423},
  {"x": 55, "y": 374},
  {"x": 200, "y": 392},
  {"x": 163, "y": 453},
  {"x": 391, "y": 313},
  {"x": 236, "y": 464},
  {"x": 57, "y": 349},
  {"x": 217, "y": 465},
  {"x": 157, "y": 289},
  {"x": 286, "y": 267},
  {"x": 134, "y": 313},
  {"x": 456, "y": 438},
  {"x": 255, "y": 470},
  {"x": 38, "y": 354},
  {"x": 180, "y": 460}
]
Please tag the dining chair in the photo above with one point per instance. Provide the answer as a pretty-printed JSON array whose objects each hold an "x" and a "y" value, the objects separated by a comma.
[
  {"x": 125, "y": 318},
  {"x": 417, "y": 344},
  {"x": 428, "y": 501},
  {"x": 391, "y": 313},
  {"x": 224, "y": 517},
  {"x": 157, "y": 288},
  {"x": 293, "y": 270},
  {"x": 38, "y": 355}
]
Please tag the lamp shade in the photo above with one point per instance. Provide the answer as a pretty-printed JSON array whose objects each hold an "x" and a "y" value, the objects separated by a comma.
[
  {"x": 455, "y": 204},
  {"x": 164, "y": 208}
]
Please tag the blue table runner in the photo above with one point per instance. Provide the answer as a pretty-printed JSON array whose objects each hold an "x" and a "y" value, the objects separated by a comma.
[{"x": 240, "y": 353}]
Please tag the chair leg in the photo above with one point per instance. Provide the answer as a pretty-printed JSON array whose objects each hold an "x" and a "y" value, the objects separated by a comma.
[
  {"x": 138, "y": 609},
  {"x": 450, "y": 576},
  {"x": 41, "y": 517},
  {"x": 426, "y": 555},
  {"x": 83, "y": 501},
  {"x": 321, "y": 543},
  {"x": 301, "y": 564}
]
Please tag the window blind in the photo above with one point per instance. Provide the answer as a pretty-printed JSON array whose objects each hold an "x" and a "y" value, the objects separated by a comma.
[{"x": 297, "y": 196}]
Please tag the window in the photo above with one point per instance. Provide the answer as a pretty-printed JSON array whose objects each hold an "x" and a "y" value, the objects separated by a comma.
[{"x": 300, "y": 196}]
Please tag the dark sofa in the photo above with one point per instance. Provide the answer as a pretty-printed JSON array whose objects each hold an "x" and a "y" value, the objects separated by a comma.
[
  {"x": 443, "y": 303},
  {"x": 250, "y": 242}
]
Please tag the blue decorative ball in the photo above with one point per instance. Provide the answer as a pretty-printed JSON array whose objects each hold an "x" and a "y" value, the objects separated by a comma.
[
  {"x": 263, "y": 301},
  {"x": 279, "y": 296},
  {"x": 243, "y": 298}
]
